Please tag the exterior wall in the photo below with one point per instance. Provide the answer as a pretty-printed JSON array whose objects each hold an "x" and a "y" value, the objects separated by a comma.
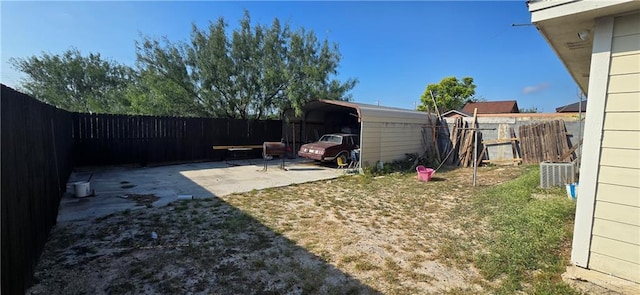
[
  {"x": 388, "y": 134},
  {"x": 370, "y": 136},
  {"x": 615, "y": 241},
  {"x": 386, "y": 142},
  {"x": 385, "y": 139}
]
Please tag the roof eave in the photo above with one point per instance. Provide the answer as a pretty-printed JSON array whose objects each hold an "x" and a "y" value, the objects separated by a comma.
[{"x": 559, "y": 23}]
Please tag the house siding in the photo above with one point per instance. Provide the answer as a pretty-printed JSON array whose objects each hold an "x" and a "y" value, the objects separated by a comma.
[{"x": 615, "y": 241}]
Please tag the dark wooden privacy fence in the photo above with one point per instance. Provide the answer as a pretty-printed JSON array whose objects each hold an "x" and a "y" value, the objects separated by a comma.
[
  {"x": 41, "y": 144},
  {"x": 118, "y": 139},
  {"x": 36, "y": 163}
]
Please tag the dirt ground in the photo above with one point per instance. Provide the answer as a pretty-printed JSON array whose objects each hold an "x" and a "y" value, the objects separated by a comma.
[{"x": 352, "y": 235}]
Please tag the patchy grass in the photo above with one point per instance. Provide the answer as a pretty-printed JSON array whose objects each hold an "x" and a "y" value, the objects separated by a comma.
[
  {"x": 525, "y": 249},
  {"x": 359, "y": 234}
]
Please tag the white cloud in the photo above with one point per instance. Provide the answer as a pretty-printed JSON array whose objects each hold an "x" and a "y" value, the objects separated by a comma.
[{"x": 536, "y": 88}]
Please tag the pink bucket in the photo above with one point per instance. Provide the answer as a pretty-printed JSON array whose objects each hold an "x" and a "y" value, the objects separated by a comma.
[{"x": 424, "y": 173}]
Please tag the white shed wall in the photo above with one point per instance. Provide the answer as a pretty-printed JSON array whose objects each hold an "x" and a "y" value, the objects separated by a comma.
[
  {"x": 389, "y": 141},
  {"x": 388, "y": 134}
]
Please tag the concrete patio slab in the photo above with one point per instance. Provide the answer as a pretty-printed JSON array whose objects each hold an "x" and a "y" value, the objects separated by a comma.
[{"x": 114, "y": 184}]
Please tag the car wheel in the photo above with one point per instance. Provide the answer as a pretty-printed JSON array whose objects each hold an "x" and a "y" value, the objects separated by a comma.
[{"x": 342, "y": 158}]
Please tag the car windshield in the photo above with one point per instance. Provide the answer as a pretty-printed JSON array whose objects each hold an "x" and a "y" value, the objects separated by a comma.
[{"x": 331, "y": 138}]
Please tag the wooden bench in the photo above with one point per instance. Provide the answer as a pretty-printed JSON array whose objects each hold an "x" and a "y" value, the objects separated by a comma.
[{"x": 235, "y": 149}]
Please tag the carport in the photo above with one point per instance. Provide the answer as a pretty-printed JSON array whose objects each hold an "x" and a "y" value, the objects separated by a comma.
[{"x": 386, "y": 133}]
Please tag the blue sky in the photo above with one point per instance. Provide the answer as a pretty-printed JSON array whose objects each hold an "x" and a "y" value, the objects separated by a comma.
[{"x": 394, "y": 49}]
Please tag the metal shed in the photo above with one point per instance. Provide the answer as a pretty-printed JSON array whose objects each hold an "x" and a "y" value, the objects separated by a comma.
[{"x": 386, "y": 133}]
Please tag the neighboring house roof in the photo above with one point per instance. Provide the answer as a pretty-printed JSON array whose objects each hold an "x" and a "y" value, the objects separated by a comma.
[
  {"x": 572, "y": 108},
  {"x": 492, "y": 107},
  {"x": 455, "y": 113}
]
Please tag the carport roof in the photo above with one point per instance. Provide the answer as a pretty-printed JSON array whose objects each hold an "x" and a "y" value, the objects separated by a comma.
[{"x": 369, "y": 112}]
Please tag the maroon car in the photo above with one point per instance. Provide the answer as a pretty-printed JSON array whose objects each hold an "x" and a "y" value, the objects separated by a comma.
[{"x": 330, "y": 147}]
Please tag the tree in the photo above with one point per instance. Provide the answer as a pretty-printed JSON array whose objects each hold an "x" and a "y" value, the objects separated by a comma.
[
  {"x": 532, "y": 109},
  {"x": 253, "y": 72},
  {"x": 449, "y": 94},
  {"x": 75, "y": 82}
]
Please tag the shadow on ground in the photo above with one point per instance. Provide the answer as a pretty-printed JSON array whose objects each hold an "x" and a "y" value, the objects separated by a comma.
[{"x": 200, "y": 246}]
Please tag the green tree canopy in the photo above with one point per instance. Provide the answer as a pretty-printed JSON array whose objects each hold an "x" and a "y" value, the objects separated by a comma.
[
  {"x": 253, "y": 72},
  {"x": 75, "y": 82},
  {"x": 449, "y": 94}
]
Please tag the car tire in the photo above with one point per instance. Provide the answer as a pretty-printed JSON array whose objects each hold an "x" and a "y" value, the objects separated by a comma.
[{"x": 345, "y": 158}]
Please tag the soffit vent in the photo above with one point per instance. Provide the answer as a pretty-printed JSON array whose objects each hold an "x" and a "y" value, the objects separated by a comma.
[{"x": 578, "y": 45}]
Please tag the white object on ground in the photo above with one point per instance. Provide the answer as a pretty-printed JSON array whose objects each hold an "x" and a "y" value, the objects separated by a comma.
[{"x": 185, "y": 197}]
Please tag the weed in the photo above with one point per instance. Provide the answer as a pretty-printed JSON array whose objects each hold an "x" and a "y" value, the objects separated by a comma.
[
  {"x": 364, "y": 265},
  {"x": 420, "y": 277},
  {"x": 549, "y": 283},
  {"x": 237, "y": 222},
  {"x": 454, "y": 251},
  {"x": 312, "y": 280},
  {"x": 527, "y": 234},
  {"x": 181, "y": 206},
  {"x": 259, "y": 263}
]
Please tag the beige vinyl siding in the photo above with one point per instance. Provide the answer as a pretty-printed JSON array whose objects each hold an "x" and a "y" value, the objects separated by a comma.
[
  {"x": 615, "y": 246},
  {"x": 616, "y": 231},
  {"x": 616, "y": 121},
  {"x": 624, "y": 102},
  {"x": 627, "y": 25},
  {"x": 619, "y": 176},
  {"x": 617, "y": 194},
  {"x": 370, "y": 149},
  {"x": 625, "y": 45},
  {"x": 618, "y": 213},
  {"x": 626, "y": 158},
  {"x": 625, "y": 251},
  {"x": 624, "y": 64},
  {"x": 625, "y": 82},
  {"x": 621, "y": 139},
  {"x": 614, "y": 266}
]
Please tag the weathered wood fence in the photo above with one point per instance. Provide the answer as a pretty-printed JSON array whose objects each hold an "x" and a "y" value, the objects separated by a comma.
[
  {"x": 118, "y": 139},
  {"x": 545, "y": 141},
  {"x": 35, "y": 165}
]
